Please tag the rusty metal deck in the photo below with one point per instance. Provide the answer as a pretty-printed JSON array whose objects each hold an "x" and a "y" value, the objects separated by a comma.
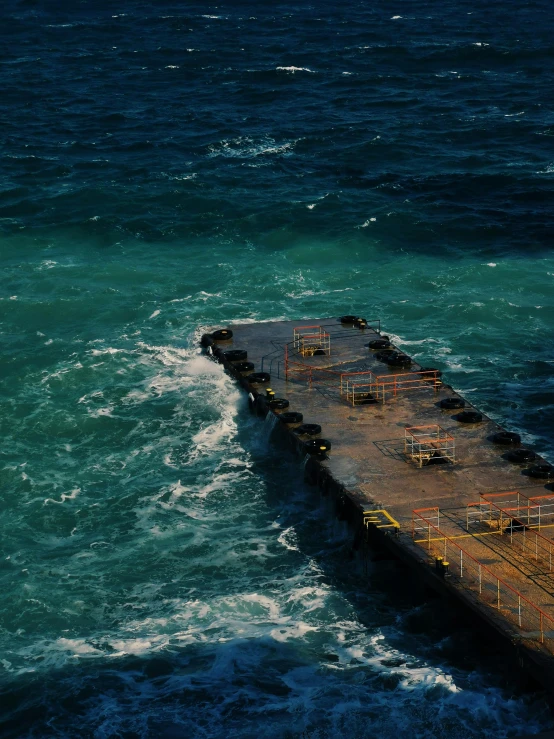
[{"x": 368, "y": 451}]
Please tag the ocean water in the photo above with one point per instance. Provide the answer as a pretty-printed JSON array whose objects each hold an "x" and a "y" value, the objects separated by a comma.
[{"x": 168, "y": 167}]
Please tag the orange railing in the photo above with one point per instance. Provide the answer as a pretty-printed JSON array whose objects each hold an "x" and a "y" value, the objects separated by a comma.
[
  {"x": 351, "y": 386},
  {"x": 536, "y": 512},
  {"x": 530, "y": 620},
  {"x": 425, "y": 443},
  {"x": 515, "y": 521}
]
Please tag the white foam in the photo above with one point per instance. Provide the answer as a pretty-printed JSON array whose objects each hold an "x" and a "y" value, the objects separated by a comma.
[
  {"x": 293, "y": 70},
  {"x": 64, "y": 496},
  {"x": 289, "y": 539},
  {"x": 246, "y": 146}
]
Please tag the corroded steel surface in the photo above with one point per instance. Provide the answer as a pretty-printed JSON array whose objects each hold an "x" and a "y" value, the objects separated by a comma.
[{"x": 368, "y": 458}]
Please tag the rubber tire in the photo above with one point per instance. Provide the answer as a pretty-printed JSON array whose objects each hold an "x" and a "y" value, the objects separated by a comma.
[
  {"x": 541, "y": 471},
  {"x": 308, "y": 429},
  {"x": 319, "y": 353},
  {"x": 348, "y": 319},
  {"x": 259, "y": 378},
  {"x": 278, "y": 404},
  {"x": 206, "y": 340},
  {"x": 236, "y": 355},
  {"x": 245, "y": 366},
  {"x": 398, "y": 360},
  {"x": 379, "y": 344},
  {"x": 451, "y": 404},
  {"x": 383, "y": 354},
  {"x": 291, "y": 417},
  {"x": 469, "y": 417},
  {"x": 520, "y": 456},
  {"x": 314, "y": 446},
  {"x": 222, "y": 334},
  {"x": 506, "y": 438}
]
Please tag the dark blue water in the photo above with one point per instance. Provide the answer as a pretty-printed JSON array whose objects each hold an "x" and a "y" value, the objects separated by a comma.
[{"x": 169, "y": 167}]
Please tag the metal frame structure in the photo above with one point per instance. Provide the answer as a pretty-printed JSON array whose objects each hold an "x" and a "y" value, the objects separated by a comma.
[
  {"x": 533, "y": 623},
  {"x": 381, "y": 519},
  {"x": 309, "y": 339},
  {"x": 497, "y": 510},
  {"x": 353, "y": 387},
  {"x": 424, "y": 443}
]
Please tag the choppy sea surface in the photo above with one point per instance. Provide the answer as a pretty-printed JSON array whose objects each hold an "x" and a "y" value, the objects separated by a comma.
[{"x": 172, "y": 166}]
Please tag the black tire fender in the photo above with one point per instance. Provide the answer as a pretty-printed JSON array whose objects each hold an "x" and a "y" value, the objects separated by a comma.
[
  {"x": 259, "y": 378},
  {"x": 291, "y": 417},
  {"x": 506, "y": 437},
  {"x": 236, "y": 355},
  {"x": 308, "y": 429},
  {"x": 452, "y": 403},
  {"x": 222, "y": 334},
  {"x": 469, "y": 417}
]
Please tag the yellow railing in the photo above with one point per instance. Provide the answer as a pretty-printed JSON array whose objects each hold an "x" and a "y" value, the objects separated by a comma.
[{"x": 451, "y": 560}]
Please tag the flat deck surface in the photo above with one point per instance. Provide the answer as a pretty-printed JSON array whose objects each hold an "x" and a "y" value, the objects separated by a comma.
[{"x": 368, "y": 448}]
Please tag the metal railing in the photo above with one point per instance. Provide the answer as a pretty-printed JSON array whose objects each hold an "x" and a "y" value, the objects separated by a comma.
[
  {"x": 357, "y": 385},
  {"x": 307, "y": 340},
  {"x": 514, "y": 522},
  {"x": 381, "y": 519},
  {"x": 530, "y": 620},
  {"x": 536, "y": 511},
  {"x": 425, "y": 443}
]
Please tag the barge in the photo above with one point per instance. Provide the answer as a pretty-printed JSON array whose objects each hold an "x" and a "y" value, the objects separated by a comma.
[{"x": 412, "y": 465}]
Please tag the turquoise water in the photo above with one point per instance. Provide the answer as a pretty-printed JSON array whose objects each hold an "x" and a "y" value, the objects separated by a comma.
[{"x": 164, "y": 571}]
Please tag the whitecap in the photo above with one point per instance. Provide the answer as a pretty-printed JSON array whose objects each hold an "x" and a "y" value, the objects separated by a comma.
[
  {"x": 293, "y": 70},
  {"x": 288, "y": 539}
]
